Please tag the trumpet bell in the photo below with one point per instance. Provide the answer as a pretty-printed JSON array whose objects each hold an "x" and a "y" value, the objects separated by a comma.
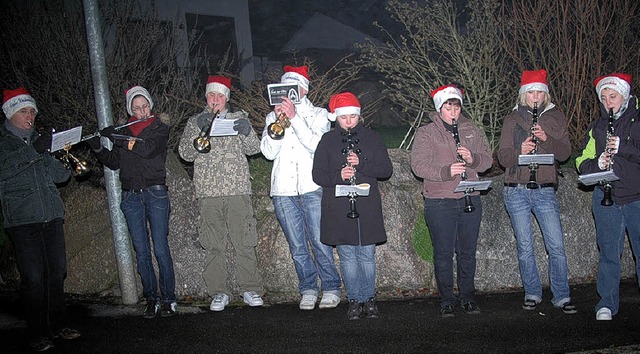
[
  {"x": 202, "y": 144},
  {"x": 276, "y": 130}
]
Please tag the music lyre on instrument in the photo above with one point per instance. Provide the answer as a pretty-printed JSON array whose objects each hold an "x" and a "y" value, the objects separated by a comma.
[
  {"x": 606, "y": 198},
  {"x": 348, "y": 150},
  {"x": 468, "y": 204}
]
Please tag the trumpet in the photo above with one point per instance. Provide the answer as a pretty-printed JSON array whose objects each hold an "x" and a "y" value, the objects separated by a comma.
[
  {"x": 533, "y": 167},
  {"x": 276, "y": 129},
  {"x": 606, "y": 198},
  {"x": 77, "y": 166},
  {"x": 202, "y": 142},
  {"x": 468, "y": 204}
]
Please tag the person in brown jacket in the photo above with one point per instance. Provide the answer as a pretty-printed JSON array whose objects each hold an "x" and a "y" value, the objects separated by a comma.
[
  {"x": 528, "y": 191},
  {"x": 436, "y": 158}
]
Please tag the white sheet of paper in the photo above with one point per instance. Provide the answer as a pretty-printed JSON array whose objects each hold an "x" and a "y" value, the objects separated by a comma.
[
  {"x": 598, "y": 177},
  {"x": 223, "y": 127},
  {"x": 343, "y": 190},
  {"x": 474, "y": 185},
  {"x": 540, "y": 159},
  {"x": 60, "y": 139}
]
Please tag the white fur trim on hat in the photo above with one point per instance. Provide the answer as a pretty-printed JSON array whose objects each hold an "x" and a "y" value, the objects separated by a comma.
[
  {"x": 219, "y": 88},
  {"x": 343, "y": 111},
  {"x": 137, "y": 91},
  {"x": 534, "y": 86},
  {"x": 17, "y": 103},
  {"x": 291, "y": 77},
  {"x": 615, "y": 83},
  {"x": 445, "y": 94}
]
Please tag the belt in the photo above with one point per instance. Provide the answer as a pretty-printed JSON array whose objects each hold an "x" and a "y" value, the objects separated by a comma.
[
  {"x": 155, "y": 187},
  {"x": 524, "y": 185}
]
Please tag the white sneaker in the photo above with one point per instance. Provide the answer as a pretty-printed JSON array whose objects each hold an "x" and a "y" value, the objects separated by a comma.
[
  {"x": 219, "y": 301},
  {"x": 604, "y": 314},
  {"x": 329, "y": 301},
  {"x": 308, "y": 302},
  {"x": 252, "y": 298}
]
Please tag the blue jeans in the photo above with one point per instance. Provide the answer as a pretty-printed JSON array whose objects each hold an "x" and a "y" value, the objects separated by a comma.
[
  {"x": 299, "y": 217},
  {"x": 358, "y": 265},
  {"x": 152, "y": 206},
  {"x": 520, "y": 203},
  {"x": 611, "y": 222},
  {"x": 454, "y": 231},
  {"x": 42, "y": 263}
]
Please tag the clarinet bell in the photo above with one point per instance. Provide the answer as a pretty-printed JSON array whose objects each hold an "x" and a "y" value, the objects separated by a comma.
[
  {"x": 606, "y": 198},
  {"x": 468, "y": 205}
]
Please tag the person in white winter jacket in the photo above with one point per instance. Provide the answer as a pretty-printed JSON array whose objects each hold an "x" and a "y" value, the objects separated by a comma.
[{"x": 296, "y": 198}]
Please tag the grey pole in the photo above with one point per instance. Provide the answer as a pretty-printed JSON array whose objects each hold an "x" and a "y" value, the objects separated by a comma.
[{"x": 121, "y": 242}]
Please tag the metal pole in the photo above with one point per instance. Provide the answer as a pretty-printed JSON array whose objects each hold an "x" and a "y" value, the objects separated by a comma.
[{"x": 121, "y": 242}]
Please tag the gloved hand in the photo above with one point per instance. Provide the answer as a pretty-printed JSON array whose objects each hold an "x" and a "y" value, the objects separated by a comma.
[
  {"x": 94, "y": 143},
  {"x": 204, "y": 120},
  {"x": 242, "y": 126},
  {"x": 108, "y": 132},
  {"x": 43, "y": 143}
]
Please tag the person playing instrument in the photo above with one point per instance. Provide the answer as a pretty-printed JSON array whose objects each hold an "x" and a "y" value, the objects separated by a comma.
[
  {"x": 354, "y": 238},
  {"x": 33, "y": 215},
  {"x": 520, "y": 201},
  {"x": 145, "y": 199},
  {"x": 622, "y": 152},
  {"x": 434, "y": 158},
  {"x": 296, "y": 198},
  {"x": 223, "y": 189}
]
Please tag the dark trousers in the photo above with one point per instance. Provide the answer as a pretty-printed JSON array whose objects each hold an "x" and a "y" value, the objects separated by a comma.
[
  {"x": 454, "y": 232},
  {"x": 42, "y": 263}
]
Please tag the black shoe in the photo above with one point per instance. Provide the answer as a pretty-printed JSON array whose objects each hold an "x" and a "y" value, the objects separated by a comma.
[
  {"x": 168, "y": 309},
  {"x": 355, "y": 310},
  {"x": 529, "y": 304},
  {"x": 152, "y": 309},
  {"x": 370, "y": 309},
  {"x": 41, "y": 344},
  {"x": 471, "y": 307},
  {"x": 67, "y": 334},
  {"x": 446, "y": 310},
  {"x": 568, "y": 308}
]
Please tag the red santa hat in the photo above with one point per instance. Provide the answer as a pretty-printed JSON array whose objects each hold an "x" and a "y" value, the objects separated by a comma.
[
  {"x": 534, "y": 80},
  {"x": 343, "y": 103},
  {"x": 296, "y": 75},
  {"x": 444, "y": 93},
  {"x": 15, "y": 100},
  {"x": 617, "y": 81},
  {"x": 219, "y": 84},
  {"x": 134, "y": 91}
]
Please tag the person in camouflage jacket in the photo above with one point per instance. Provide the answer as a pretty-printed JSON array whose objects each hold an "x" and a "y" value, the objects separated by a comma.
[{"x": 223, "y": 189}]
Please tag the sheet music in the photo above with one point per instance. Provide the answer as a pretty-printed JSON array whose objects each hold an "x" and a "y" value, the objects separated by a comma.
[
  {"x": 474, "y": 185},
  {"x": 540, "y": 159},
  {"x": 598, "y": 177},
  {"x": 223, "y": 127},
  {"x": 60, "y": 139},
  {"x": 343, "y": 190}
]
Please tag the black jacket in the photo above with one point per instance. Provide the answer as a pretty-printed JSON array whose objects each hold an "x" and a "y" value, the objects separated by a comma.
[{"x": 144, "y": 166}]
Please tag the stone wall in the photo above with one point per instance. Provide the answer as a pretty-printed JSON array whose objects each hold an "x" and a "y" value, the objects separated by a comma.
[{"x": 92, "y": 266}]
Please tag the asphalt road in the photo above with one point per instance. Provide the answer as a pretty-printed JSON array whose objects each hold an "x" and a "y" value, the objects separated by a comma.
[{"x": 405, "y": 326}]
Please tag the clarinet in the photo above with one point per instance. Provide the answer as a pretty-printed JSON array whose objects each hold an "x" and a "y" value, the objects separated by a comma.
[
  {"x": 606, "y": 199},
  {"x": 468, "y": 204},
  {"x": 348, "y": 150},
  {"x": 533, "y": 167}
]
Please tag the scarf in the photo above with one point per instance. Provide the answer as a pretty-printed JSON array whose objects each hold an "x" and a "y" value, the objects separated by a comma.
[{"x": 137, "y": 128}]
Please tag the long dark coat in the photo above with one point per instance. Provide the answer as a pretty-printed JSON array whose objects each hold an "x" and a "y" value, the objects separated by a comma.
[{"x": 336, "y": 227}]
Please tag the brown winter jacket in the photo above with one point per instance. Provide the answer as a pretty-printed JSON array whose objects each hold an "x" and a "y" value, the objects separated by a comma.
[
  {"x": 517, "y": 127},
  {"x": 434, "y": 150}
]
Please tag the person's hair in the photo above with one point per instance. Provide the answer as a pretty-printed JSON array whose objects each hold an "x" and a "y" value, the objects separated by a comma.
[{"x": 522, "y": 99}]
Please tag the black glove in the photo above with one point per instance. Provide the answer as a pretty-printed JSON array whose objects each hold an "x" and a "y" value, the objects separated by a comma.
[
  {"x": 108, "y": 132},
  {"x": 94, "y": 143},
  {"x": 43, "y": 143},
  {"x": 242, "y": 126},
  {"x": 204, "y": 120}
]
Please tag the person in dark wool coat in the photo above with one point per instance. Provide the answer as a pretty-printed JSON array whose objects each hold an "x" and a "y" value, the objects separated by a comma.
[{"x": 352, "y": 154}]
